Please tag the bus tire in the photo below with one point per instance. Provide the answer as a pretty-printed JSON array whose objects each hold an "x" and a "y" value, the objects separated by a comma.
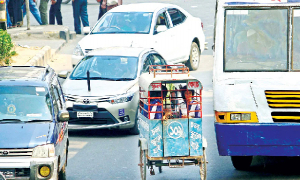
[
  {"x": 194, "y": 58},
  {"x": 241, "y": 162}
]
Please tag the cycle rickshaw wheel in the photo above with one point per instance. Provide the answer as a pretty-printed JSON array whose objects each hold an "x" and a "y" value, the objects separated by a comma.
[
  {"x": 143, "y": 163},
  {"x": 203, "y": 167}
]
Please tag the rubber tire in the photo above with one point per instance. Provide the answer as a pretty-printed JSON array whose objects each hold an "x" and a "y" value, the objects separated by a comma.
[
  {"x": 65, "y": 1},
  {"x": 135, "y": 129},
  {"x": 190, "y": 63},
  {"x": 241, "y": 162},
  {"x": 3, "y": 26},
  {"x": 62, "y": 173},
  {"x": 203, "y": 165},
  {"x": 143, "y": 160}
]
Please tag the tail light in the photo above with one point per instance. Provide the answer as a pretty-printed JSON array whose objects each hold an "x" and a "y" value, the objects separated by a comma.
[{"x": 202, "y": 25}]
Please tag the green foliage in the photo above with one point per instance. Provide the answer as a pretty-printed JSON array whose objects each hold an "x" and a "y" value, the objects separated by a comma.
[
  {"x": 5, "y": 48},
  {"x": 13, "y": 53}
]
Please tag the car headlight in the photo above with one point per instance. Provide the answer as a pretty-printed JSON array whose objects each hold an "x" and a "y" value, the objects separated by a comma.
[
  {"x": 43, "y": 151},
  {"x": 122, "y": 98},
  {"x": 78, "y": 51}
]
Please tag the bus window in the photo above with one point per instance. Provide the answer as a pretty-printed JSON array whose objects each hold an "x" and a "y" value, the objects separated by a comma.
[
  {"x": 296, "y": 40},
  {"x": 256, "y": 40}
]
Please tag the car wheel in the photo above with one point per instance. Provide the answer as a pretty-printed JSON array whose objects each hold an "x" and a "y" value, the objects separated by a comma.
[
  {"x": 62, "y": 173},
  {"x": 194, "y": 58},
  {"x": 65, "y": 1},
  {"x": 241, "y": 162},
  {"x": 135, "y": 129}
]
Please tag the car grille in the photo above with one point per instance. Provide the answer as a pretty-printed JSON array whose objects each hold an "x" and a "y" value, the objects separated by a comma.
[
  {"x": 283, "y": 99},
  {"x": 286, "y": 117},
  {"x": 81, "y": 99},
  {"x": 91, "y": 121},
  {"x": 15, "y": 152}
]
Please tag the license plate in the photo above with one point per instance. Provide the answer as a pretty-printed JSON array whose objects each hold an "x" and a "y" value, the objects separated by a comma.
[
  {"x": 8, "y": 173},
  {"x": 85, "y": 114}
]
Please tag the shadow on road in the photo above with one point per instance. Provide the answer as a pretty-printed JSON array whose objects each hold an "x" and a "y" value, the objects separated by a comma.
[{"x": 271, "y": 167}]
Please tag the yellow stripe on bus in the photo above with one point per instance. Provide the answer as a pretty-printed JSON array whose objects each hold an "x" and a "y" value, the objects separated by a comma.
[
  {"x": 296, "y": 118},
  {"x": 282, "y": 92},
  {"x": 284, "y": 100},
  {"x": 283, "y": 96},
  {"x": 284, "y": 105}
]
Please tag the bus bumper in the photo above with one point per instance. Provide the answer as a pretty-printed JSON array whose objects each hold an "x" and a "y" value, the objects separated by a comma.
[{"x": 270, "y": 139}]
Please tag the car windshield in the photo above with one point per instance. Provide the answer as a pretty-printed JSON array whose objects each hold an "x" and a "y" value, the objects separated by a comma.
[
  {"x": 106, "y": 67},
  {"x": 256, "y": 40},
  {"x": 124, "y": 22},
  {"x": 24, "y": 103}
]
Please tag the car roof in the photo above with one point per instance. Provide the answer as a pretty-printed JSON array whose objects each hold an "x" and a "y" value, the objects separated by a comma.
[
  {"x": 140, "y": 7},
  {"x": 118, "y": 51},
  {"x": 23, "y": 75}
]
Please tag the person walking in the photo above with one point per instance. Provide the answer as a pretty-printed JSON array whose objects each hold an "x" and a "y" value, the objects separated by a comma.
[
  {"x": 55, "y": 12},
  {"x": 15, "y": 12},
  {"x": 102, "y": 11},
  {"x": 80, "y": 12},
  {"x": 109, "y": 4},
  {"x": 34, "y": 10},
  {"x": 44, "y": 11},
  {"x": 8, "y": 22}
]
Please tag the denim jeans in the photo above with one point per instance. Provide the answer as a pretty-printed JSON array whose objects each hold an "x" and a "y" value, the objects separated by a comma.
[
  {"x": 9, "y": 24},
  {"x": 55, "y": 12},
  {"x": 80, "y": 12},
  {"x": 34, "y": 10}
]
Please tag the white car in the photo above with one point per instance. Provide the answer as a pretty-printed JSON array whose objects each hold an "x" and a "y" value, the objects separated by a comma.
[
  {"x": 169, "y": 29},
  {"x": 109, "y": 97}
]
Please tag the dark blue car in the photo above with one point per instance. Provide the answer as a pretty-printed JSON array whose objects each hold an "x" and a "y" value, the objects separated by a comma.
[{"x": 33, "y": 124}]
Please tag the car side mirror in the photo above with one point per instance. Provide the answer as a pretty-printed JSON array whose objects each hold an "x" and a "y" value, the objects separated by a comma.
[
  {"x": 161, "y": 28},
  {"x": 86, "y": 30},
  {"x": 63, "y": 116},
  {"x": 63, "y": 74}
]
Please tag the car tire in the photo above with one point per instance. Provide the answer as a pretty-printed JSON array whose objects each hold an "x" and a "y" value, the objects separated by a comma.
[
  {"x": 194, "y": 58},
  {"x": 62, "y": 173},
  {"x": 241, "y": 162},
  {"x": 65, "y": 1},
  {"x": 135, "y": 129}
]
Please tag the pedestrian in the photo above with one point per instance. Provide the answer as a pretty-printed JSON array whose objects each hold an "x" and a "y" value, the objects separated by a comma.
[
  {"x": 102, "y": 11},
  {"x": 55, "y": 12},
  {"x": 9, "y": 25},
  {"x": 44, "y": 11},
  {"x": 15, "y": 12},
  {"x": 109, "y": 4},
  {"x": 80, "y": 12},
  {"x": 34, "y": 10}
]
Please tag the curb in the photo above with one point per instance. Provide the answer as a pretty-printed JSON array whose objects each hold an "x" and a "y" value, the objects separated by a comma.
[{"x": 43, "y": 56}]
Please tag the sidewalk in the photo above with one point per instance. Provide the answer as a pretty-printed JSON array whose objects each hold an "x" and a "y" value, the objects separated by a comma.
[{"x": 36, "y": 47}]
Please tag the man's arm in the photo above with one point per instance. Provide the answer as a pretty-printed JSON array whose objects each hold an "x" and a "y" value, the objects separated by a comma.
[{"x": 103, "y": 5}]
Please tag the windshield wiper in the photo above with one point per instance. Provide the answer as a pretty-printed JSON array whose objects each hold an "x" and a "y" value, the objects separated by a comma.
[
  {"x": 9, "y": 120},
  {"x": 38, "y": 120},
  {"x": 124, "y": 79},
  {"x": 95, "y": 78},
  {"x": 79, "y": 78}
]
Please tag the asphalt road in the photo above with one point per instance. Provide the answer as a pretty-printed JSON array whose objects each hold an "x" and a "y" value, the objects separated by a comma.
[{"x": 104, "y": 154}]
